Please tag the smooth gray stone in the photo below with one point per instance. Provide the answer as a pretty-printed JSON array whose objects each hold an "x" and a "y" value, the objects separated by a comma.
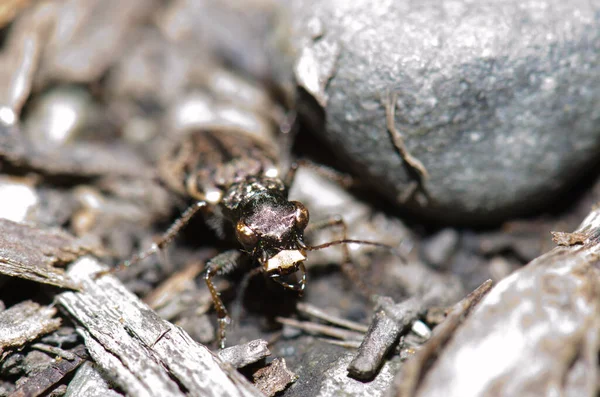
[{"x": 498, "y": 100}]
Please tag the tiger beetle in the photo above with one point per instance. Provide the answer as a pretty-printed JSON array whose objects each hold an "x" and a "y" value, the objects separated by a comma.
[{"x": 235, "y": 179}]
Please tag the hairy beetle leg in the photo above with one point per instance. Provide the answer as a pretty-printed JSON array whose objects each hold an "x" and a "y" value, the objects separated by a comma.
[
  {"x": 220, "y": 265},
  {"x": 162, "y": 242}
]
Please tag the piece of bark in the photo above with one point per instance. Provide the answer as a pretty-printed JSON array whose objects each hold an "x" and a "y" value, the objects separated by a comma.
[
  {"x": 568, "y": 239},
  {"x": 274, "y": 377},
  {"x": 535, "y": 333},
  {"x": 131, "y": 368},
  {"x": 389, "y": 322},
  {"x": 172, "y": 287},
  {"x": 380, "y": 337},
  {"x": 144, "y": 354},
  {"x": 25, "y": 322},
  {"x": 49, "y": 377},
  {"x": 89, "y": 382},
  {"x": 241, "y": 355},
  {"x": 33, "y": 253}
]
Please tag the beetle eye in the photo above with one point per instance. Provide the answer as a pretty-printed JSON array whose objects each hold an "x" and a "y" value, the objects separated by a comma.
[
  {"x": 301, "y": 215},
  {"x": 245, "y": 235}
]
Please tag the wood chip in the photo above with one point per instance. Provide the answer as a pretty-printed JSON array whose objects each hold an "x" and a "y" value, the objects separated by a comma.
[
  {"x": 172, "y": 287},
  {"x": 568, "y": 239},
  {"x": 33, "y": 253},
  {"x": 241, "y": 355},
  {"x": 391, "y": 321},
  {"x": 25, "y": 322},
  {"x": 144, "y": 354},
  {"x": 274, "y": 378},
  {"x": 382, "y": 335},
  {"x": 47, "y": 378},
  {"x": 89, "y": 382}
]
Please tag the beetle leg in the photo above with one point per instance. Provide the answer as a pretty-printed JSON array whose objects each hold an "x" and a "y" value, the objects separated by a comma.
[
  {"x": 162, "y": 242},
  {"x": 219, "y": 265},
  {"x": 179, "y": 223}
]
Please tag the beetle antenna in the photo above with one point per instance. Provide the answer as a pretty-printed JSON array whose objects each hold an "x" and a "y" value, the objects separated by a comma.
[{"x": 394, "y": 250}]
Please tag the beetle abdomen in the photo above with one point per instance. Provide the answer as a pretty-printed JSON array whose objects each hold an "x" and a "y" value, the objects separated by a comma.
[{"x": 206, "y": 163}]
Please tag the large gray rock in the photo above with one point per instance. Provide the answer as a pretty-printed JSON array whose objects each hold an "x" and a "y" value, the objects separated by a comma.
[{"x": 498, "y": 100}]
